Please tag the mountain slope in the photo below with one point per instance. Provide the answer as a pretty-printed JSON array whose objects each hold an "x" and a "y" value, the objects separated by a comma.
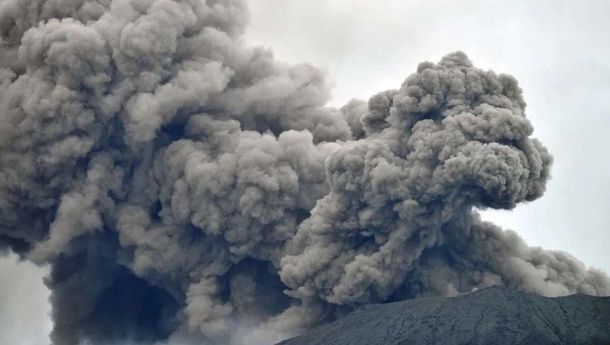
[{"x": 489, "y": 316}]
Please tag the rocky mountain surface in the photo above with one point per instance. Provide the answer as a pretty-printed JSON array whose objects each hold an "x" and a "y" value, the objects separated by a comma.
[{"x": 489, "y": 316}]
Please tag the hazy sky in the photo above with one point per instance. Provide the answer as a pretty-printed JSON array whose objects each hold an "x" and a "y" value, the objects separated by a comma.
[{"x": 558, "y": 50}]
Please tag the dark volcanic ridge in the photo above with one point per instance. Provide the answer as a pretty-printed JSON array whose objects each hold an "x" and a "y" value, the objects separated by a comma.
[{"x": 489, "y": 316}]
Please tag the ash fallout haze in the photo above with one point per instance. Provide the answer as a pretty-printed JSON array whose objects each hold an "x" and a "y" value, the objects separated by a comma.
[{"x": 182, "y": 185}]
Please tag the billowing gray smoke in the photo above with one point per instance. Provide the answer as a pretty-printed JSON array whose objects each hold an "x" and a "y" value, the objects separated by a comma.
[{"x": 185, "y": 188}]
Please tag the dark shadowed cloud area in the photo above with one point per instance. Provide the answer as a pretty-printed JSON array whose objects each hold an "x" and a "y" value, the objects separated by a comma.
[{"x": 180, "y": 183}]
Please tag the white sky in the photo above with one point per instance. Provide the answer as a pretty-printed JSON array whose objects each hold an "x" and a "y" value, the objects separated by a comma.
[
  {"x": 558, "y": 50},
  {"x": 23, "y": 304}
]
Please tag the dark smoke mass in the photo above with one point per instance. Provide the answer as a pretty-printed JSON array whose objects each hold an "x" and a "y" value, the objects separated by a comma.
[{"x": 186, "y": 188}]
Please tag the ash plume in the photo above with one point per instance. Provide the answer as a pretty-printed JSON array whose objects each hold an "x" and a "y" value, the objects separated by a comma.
[{"x": 186, "y": 188}]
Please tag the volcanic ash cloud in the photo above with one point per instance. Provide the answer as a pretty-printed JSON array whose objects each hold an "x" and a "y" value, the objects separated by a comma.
[{"x": 184, "y": 187}]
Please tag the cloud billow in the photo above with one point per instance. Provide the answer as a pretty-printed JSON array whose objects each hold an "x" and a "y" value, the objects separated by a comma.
[{"x": 184, "y": 186}]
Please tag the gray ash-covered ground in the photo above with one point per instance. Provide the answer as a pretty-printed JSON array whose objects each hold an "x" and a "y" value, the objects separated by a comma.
[{"x": 489, "y": 316}]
